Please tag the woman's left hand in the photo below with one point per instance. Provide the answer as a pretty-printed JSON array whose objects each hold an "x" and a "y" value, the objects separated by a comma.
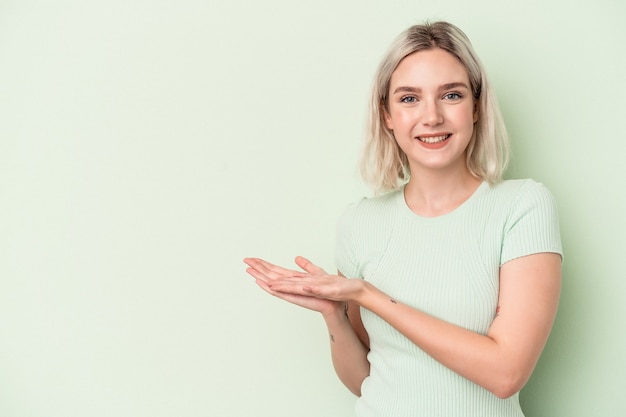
[{"x": 319, "y": 284}]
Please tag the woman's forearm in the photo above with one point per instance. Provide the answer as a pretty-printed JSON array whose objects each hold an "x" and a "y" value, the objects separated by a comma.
[
  {"x": 474, "y": 356},
  {"x": 349, "y": 356},
  {"x": 500, "y": 361}
]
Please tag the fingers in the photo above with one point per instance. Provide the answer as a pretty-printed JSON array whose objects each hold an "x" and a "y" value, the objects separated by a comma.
[
  {"x": 307, "y": 286},
  {"x": 268, "y": 270},
  {"x": 308, "y": 266},
  {"x": 260, "y": 265},
  {"x": 267, "y": 286},
  {"x": 299, "y": 288},
  {"x": 263, "y": 285},
  {"x": 305, "y": 301},
  {"x": 258, "y": 276},
  {"x": 275, "y": 279}
]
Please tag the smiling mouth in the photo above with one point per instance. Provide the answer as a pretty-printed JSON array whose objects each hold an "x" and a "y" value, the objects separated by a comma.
[{"x": 433, "y": 139}]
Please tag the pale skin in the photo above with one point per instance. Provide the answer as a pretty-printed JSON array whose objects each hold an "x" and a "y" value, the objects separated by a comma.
[{"x": 429, "y": 98}]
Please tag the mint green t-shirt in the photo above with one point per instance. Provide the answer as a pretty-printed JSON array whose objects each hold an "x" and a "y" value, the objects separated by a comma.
[{"x": 447, "y": 266}]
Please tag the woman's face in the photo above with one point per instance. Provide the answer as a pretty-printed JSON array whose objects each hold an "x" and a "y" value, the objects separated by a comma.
[{"x": 431, "y": 110}]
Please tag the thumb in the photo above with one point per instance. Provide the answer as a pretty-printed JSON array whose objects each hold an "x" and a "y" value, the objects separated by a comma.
[{"x": 308, "y": 266}]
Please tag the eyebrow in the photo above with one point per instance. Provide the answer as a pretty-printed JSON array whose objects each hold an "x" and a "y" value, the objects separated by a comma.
[{"x": 448, "y": 86}]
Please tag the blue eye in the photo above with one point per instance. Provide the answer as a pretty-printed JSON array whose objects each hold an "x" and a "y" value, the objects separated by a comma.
[
  {"x": 408, "y": 99},
  {"x": 452, "y": 96}
]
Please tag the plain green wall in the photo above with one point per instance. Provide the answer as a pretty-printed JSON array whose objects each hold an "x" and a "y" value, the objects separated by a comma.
[{"x": 146, "y": 147}]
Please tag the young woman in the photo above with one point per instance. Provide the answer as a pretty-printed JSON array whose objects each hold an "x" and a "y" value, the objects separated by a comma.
[{"x": 449, "y": 280}]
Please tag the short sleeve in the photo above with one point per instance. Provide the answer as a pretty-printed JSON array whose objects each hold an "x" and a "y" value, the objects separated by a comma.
[
  {"x": 532, "y": 225},
  {"x": 345, "y": 244}
]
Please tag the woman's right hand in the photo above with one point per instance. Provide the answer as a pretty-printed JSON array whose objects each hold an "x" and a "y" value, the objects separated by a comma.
[{"x": 264, "y": 273}]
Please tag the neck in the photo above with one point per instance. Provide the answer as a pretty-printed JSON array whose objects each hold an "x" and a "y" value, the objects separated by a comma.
[{"x": 430, "y": 193}]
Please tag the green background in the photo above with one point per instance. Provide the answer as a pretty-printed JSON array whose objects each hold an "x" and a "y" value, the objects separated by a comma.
[{"x": 146, "y": 147}]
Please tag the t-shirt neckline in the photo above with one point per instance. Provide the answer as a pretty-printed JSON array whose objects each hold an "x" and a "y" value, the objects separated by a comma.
[{"x": 482, "y": 187}]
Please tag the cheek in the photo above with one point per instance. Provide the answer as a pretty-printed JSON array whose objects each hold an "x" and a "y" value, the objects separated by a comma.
[
  {"x": 466, "y": 117},
  {"x": 398, "y": 119},
  {"x": 395, "y": 118}
]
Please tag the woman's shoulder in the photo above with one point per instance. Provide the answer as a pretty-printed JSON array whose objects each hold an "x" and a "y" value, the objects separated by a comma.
[
  {"x": 373, "y": 206},
  {"x": 516, "y": 189},
  {"x": 369, "y": 212},
  {"x": 531, "y": 223},
  {"x": 520, "y": 198}
]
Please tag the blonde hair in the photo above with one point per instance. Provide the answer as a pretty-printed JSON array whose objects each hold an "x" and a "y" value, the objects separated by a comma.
[{"x": 384, "y": 165}]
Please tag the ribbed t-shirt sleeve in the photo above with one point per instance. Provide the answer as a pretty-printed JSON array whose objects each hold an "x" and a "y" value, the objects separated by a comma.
[
  {"x": 345, "y": 244},
  {"x": 532, "y": 225}
]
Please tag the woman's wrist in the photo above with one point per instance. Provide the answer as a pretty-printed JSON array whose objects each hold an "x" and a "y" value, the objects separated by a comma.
[
  {"x": 364, "y": 293},
  {"x": 336, "y": 314}
]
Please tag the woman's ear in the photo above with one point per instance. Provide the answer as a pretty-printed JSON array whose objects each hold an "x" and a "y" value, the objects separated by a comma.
[
  {"x": 388, "y": 121},
  {"x": 476, "y": 107}
]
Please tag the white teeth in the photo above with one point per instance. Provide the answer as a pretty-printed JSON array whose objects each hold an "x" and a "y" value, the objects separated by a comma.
[{"x": 433, "y": 139}]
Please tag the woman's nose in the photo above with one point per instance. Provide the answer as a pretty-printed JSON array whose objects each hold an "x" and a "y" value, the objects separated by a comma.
[{"x": 432, "y": 115}]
